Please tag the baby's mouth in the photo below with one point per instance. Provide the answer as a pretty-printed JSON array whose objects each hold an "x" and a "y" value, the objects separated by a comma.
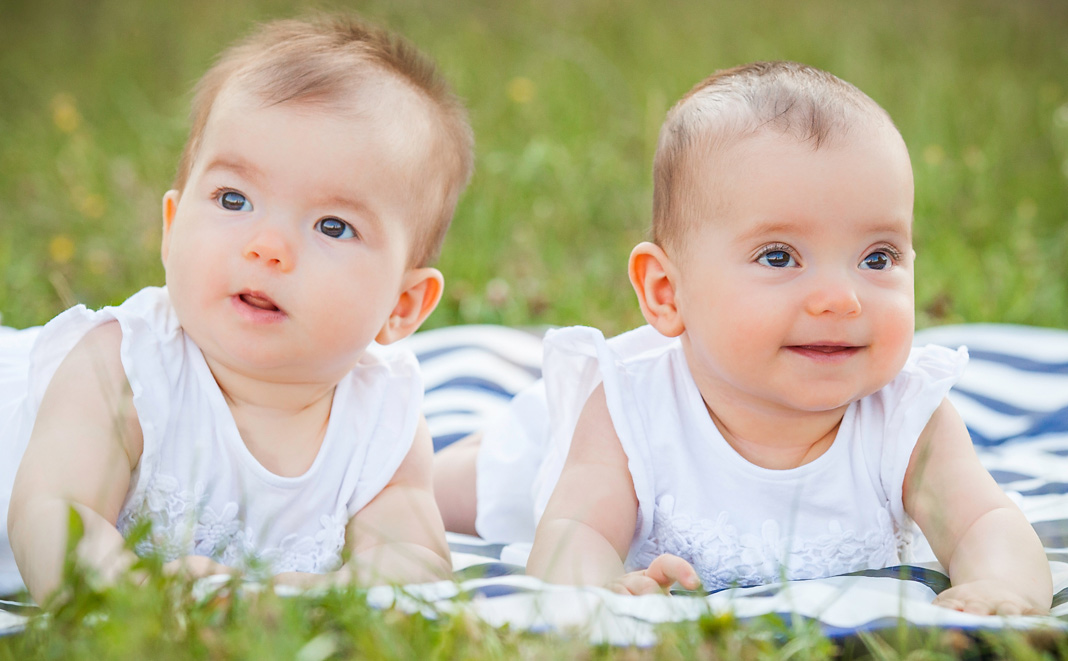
[
  {"x": 259, "y": 301},
  {"x": 834, "y": 353},
  {"x": 825, "y": 348}
]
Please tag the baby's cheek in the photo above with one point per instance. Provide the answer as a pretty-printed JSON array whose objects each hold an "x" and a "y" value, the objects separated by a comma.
[{"x": 897, "y": 331}]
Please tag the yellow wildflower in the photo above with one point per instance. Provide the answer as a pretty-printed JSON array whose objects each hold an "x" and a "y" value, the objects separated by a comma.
[
  {"x": 65, "y": 114},
  {"x": 521, "y": 90},
  {"x": 934, "y": 155},
  {"x": 61, "y": 248}
]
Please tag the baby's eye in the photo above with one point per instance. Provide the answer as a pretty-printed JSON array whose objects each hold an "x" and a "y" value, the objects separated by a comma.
[
  {"x": 334, "y": 228},
  {"x": 231, "y": 200},
  {"x": 777, "y": 258},
  {"x": 877, "y": 261}
]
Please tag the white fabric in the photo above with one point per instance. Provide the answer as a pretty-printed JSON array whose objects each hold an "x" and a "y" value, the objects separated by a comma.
[
  {"x": 737, "y": 523},
  {"x": 513, "y": 445},
  {"x": 196, "y": 480}
]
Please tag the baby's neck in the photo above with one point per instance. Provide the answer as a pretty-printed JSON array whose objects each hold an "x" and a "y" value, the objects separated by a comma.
[
  {"x": 778, "y": 443},
  {"x": 282, "y": 424},
  {"x": 765, "y": 432}
]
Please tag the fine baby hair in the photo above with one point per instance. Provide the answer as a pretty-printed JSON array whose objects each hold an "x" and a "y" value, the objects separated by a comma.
[
  {"x": 327, "y": 62},
  {"x": 772, "y": 421},
  {"x": 249, "y": 410},
  {"x": 810, "y": 105}
]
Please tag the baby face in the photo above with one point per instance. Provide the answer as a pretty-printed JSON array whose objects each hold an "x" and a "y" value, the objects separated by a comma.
[
  {"x": 287, "y": 249},
  {"x": 797, "y": 291}
]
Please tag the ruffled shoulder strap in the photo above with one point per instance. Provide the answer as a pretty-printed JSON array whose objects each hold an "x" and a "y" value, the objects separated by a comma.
[
  {"x": 383, "y": 396},
  {"x": 903, "y": 408},
  {"x": 151, "y": 350},
  {"x": 577, "y": 359}
]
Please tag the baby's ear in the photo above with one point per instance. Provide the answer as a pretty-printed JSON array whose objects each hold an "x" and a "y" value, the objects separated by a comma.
[
  {"x": 420, "y": 293},
  {"x": 170, "y": 208},
  {"x": 653, "y": 276}
]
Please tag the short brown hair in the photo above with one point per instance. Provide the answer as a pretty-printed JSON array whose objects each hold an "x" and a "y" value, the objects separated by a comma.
[
  {"x": 796, "y": 100},
  {"x": 322, "y": 59}
]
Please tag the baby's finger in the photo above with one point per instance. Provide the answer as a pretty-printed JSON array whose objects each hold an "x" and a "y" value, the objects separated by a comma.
[
  {"x": 949, "y": 602},
  {"x": 635, "y": 583},
  {"x": 1008, "y": 608},
  {"x": 669, "y": 569},
  {"x": 977, "y": 605}
]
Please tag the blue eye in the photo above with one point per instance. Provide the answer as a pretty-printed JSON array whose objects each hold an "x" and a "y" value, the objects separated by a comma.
[
  {"x": 777, "y": 258},
  {"x": 231, "y": 200},
  {"x": 334, "y": 228},
  {"x": 877, "y": 261}
]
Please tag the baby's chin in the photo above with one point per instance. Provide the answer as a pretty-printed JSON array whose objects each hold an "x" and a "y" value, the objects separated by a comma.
[{"x": 812, "y": 398}]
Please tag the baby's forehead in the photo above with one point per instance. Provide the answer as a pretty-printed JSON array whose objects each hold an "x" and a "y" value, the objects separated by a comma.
[
  {"x": 775, "y": 163},
  {"x": 371, "y": 94},
  {"x": 721, "y": 155},
  {"x": 398, "y": 115}
]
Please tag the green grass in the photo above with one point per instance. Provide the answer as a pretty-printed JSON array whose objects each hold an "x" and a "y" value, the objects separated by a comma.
[
  {"x": 566, "y": 98},
  {"x": 167, "y": 618}
]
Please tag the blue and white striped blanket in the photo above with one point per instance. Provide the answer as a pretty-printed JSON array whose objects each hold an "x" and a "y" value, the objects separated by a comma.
[{"x": 1013, "y": 396}]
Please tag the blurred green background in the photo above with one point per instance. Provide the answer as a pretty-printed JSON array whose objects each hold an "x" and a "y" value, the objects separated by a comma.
[{"x": 565, "y": 98}]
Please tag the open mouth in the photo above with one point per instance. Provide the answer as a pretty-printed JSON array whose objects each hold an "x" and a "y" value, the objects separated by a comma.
[{"x": 258, "y": 301}]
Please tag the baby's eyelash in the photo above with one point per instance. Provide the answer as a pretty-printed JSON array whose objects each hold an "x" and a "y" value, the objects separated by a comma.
[
  {"x": 894, "y": 253},
  {"x": 772, "y": 247}
]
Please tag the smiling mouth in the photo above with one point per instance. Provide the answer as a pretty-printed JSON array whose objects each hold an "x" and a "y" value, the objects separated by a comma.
[
  {"x": 825, "y": 348},
  {"x": 825, "y": 352}
]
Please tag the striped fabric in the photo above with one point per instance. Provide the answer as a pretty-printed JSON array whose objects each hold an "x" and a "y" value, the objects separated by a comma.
[{"x": 471, "y": 373}]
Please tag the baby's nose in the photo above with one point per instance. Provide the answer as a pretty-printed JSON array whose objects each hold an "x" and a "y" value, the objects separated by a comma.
[
  {"x": 271, "y": 247},
  {"x": 833, "y": 295}
]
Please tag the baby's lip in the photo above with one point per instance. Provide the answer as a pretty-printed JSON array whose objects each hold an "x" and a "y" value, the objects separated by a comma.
[
  {"x": 259, "y": 300},
  {"x": 825, "y": 347}
]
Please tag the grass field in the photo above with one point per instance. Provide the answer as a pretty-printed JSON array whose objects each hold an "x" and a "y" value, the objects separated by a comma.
[{"x": 566, "y": 98}]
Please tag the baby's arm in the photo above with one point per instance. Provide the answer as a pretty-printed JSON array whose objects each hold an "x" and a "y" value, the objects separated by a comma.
[
  {"x": 589, "y": 522},
  {"x": 455, "y": 483},
  {"x": 995, "y": 560},
  {"x": 85, "y": 442},
  {"x": 398, "y": 537}
]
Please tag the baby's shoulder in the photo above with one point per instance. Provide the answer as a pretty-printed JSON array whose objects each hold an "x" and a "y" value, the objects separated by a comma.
[
  {"x": 100, "y": 350},
  {"x": 637, "y": 349},
  {"x": 387, "y": 362},
  {"x": 928, "y": 374},
  {"x": 386, "y": 385},
  {"x": 91, "y": 385}
]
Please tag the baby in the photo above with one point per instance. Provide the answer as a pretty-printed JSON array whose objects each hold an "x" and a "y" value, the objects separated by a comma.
[
  {"x": 772, "y": 421},
  {"x": 243, "y": 409}
]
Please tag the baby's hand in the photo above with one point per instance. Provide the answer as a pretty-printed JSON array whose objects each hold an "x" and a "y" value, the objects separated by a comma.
[
  {"x": 988, "y": 597},
  {"x": 663, "y": 572},
  {"x": 307, "y": 581},
  {"x": 196, "y": 566}
]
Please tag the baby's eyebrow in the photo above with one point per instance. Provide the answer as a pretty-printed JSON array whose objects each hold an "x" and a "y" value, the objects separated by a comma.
[
  {"x": 344, "y": 201},
  {"x": 238, "y": 166},
  {"x": 881, "y": 226},
  {"x": 771, "y": 227}
]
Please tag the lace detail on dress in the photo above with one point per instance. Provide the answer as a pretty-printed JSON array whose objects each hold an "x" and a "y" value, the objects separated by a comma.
[
  {"x": 725, "y": 558},
  {"x": 183, "y": 524}
]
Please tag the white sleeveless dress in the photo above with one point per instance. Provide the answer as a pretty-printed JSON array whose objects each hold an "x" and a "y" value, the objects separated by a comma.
[
  {"x": 196, "y": 481},
  {"x": 737, "y": 523}
]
